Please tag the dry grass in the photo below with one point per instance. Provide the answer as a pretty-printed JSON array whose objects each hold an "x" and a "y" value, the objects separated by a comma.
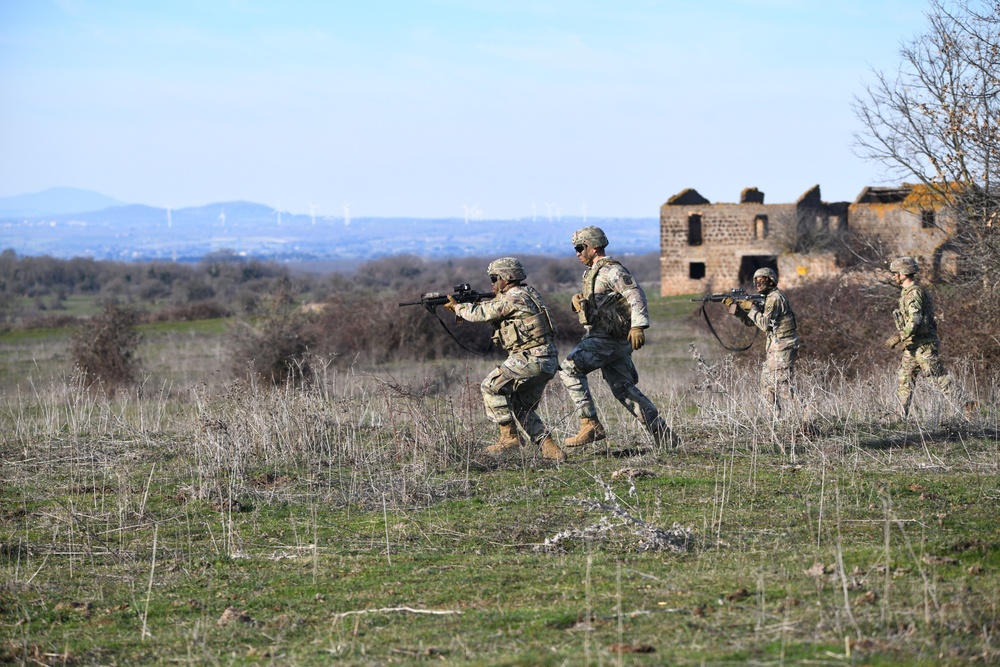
[{"x": 134, "y": 523}]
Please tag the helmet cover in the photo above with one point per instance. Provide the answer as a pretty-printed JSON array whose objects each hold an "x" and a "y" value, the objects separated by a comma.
[
  {"x": 508, "y": 268},
  {"x": 904, "y": 265},
  {"x": 592, "y": 237},
  {"x": 766, "y": 272}
]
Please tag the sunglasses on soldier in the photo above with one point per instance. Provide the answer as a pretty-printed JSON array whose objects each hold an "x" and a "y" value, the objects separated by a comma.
[
  {"x": 579, "y": 248},
  {"x": 493, "y": 279}
]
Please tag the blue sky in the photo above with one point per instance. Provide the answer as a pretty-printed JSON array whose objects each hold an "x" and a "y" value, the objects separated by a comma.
[{"x": 435, "y": 108}]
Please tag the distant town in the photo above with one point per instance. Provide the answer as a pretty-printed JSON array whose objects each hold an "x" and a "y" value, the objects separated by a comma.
[{"x": 134, "y": 232}]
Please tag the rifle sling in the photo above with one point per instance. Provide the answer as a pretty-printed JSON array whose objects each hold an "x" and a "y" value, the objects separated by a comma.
[
  {"x": 450, "y": 334},
  {"x": 756, "y": 332}
]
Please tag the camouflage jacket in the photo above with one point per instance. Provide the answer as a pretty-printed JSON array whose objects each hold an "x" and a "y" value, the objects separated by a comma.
[
  {"x": 777, "y": 320},
  {"x": 520, "y": 320},
  {"x": 915, "y": 317},
  {"x": 613, "y": 300}
]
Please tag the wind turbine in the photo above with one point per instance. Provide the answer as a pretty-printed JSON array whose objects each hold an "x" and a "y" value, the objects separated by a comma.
[
  {"x": 222, "y": 217},
  {"x": 465, "y": 210},
  {"x": 312, "y": 213},
  {"x": 170, "y": 222},
  {"x": 277, "y": 212},
  {"x": 347, "y": 214},
  {"x": 550, "y": 211}
]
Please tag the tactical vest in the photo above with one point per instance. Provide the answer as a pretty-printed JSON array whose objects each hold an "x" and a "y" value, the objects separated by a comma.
[
  {"x": 614, "y": 316},
  {"x": 924, "y": 331},
  {"x": 524, "y": 333},
  {"x": 784, "y": 327}
]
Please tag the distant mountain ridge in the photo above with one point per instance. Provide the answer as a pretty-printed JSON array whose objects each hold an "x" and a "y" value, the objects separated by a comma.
[
  {"x": 55, "y": 201},
  {"x": 135, "y": 232}
]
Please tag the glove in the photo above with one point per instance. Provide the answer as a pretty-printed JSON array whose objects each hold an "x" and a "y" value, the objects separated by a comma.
[
  {"x": 637, "y": 337},
  {"x": 577, "y": 302},
  {"x": 892, "y": 341},
  {"x": 727, "y": 302},
  {"x": 452, "y": 302},
  {"x": 747, "y": 305}
]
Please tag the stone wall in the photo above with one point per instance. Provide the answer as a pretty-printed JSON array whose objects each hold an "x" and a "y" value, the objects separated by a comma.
[
  {"x": 728, "y": 232},
  {"x": 707, "y": 247},
  {"x": 904, "y": 231},
  {"x": 795, "y": 269}
]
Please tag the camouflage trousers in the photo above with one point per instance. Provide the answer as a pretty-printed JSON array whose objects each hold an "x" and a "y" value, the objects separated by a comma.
[
  {"x": 513, "y": 390},
  {"x": 614, "y": 358},
  {"x": 777, "y": 378},
  {"x": 922, "y": 360}
]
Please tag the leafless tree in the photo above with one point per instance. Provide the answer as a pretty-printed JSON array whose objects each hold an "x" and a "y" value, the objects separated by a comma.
[{"x": 936, "y": 119}]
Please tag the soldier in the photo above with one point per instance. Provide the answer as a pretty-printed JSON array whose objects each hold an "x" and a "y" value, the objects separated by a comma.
[
  {"x": 612, "y": 308},
  {"x": 521, "y": 327},
  {"x": 916, "y": 331},
  {"x": 777, "y": 320}
]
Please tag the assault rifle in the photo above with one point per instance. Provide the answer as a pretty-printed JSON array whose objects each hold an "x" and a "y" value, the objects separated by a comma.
[
  {"x": 740, "y": 296},
  {"x": 737, "y": 294},
  {"x": 463, "y": 294}
]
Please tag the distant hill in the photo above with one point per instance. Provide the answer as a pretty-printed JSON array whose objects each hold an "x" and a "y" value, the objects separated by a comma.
[
  {"x": 135, "y": 232},
  {"x": 55, "y": 201}
]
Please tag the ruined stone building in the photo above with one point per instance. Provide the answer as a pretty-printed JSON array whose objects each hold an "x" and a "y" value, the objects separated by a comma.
[{"x": 715, "y": 247}]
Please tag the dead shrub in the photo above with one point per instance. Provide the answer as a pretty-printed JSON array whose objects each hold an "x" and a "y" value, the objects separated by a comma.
[
  {"x": 967, "y": 326},
  {"x": 61, "y": 321},
  {"x": 104, "y": 347},
  {"x": 375, "y": 327},
  {"x": 845, "y": 323},
  {"x": 276, "y": 346},
  {"x": 201, "y": 310}
]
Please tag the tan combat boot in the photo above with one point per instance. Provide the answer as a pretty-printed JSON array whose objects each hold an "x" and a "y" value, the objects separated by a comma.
[
  {"x": 550, "y": 450},
  {"x": 508, "y": 439},
  {"x": 591, "y": 430}
]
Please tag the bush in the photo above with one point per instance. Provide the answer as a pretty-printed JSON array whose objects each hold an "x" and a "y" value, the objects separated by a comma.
[
  {"x": 276, "y": 347},
  {"x": 375, "y": 327},
  {"x": 843, "y": 324},
  {"x": 967, "y": 326},
  {"x": 104, "y": 348},
  {"x": 201, "y": 310}
]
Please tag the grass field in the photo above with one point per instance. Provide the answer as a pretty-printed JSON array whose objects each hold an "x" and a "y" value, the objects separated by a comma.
[{"x": 357, "y": 522}]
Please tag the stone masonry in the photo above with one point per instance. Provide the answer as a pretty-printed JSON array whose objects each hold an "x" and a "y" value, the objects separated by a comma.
[{"x": 706, "y": 247}]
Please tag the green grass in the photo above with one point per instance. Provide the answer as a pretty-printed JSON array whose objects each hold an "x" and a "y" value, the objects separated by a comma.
[
  {"x": 359, "y": 523},
  {"x": 323, "y": 582}
]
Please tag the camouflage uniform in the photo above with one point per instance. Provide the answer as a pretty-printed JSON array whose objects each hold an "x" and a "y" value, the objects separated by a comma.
[
  {"x": 777, "y": 320},
  {"x": 522, "y": 328},
  {"x": 918, "y": 335},
  {"x": 613, "y": 304}
]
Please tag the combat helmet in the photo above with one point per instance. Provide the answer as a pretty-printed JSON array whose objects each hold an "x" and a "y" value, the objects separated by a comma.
[
  {"x": 904, "y": 265},
  {"x": 592, "y": 237},
  {"x": 766, "y": 272},
  {"x": 508, "y": 268}
]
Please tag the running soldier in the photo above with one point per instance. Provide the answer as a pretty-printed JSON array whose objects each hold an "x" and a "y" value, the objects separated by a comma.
[
  {"x": 522, "y": 327},
  {"x": 612, "y": 308}
]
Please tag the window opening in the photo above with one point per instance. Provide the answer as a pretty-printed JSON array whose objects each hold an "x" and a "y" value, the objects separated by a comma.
[{"x": 694, "y": 229}]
